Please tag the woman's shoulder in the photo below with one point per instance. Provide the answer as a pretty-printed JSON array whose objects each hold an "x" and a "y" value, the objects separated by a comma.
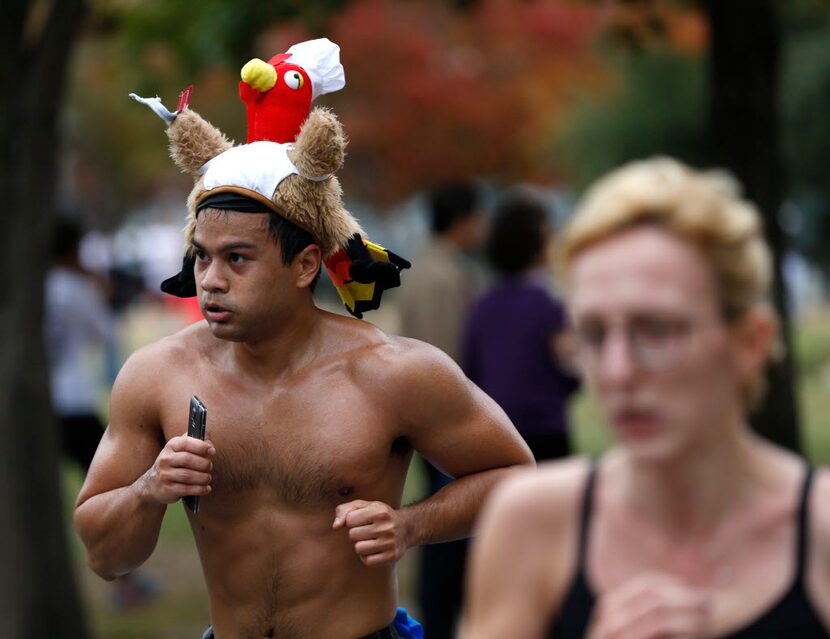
[
  {"x": 818, "y": 561},
  {"x": 528, "y": 529},
  {"x": 819, "y": 508},
  {"x": 548, "y": 495},
  {"x": 785, "y": 468}
]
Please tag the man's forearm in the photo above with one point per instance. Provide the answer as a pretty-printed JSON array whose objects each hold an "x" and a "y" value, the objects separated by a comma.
[
  {"x": 119, "y": 528},
  {"x": 449, "y": 514}
]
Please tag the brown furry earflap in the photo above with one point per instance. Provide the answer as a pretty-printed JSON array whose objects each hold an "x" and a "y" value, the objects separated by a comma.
[
  {"x": 320, "y": 146},
  {"x": 317, "y": 207},
  {"x": 194, "y": 141}
]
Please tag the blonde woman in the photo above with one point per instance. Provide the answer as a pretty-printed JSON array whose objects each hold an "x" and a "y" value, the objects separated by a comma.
[{"x": 690, "y": 526}]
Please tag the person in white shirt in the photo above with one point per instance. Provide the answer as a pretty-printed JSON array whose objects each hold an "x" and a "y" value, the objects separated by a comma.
[{"x": 78, "y": 327}]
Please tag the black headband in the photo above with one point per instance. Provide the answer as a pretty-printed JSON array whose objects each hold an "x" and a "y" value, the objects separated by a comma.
[{"x": 230, "y": 201}]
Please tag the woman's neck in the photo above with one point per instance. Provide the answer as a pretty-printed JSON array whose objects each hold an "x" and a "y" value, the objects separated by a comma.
[{"x": 690, "y": 493}]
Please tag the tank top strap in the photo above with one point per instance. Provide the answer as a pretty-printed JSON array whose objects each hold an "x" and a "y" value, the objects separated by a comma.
[
  {"x": 803, "y": 523},
  {"x": 585, "y": 514}
]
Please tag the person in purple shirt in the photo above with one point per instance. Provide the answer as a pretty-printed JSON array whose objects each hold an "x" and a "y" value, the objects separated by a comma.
[{"x": 517, "y": 341}]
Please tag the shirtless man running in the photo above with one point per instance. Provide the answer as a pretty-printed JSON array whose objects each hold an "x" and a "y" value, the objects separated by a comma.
[{"x": 313, "y": 419}]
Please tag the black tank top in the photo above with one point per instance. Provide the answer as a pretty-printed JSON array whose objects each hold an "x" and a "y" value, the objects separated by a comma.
[{"x": 791, "y": 616}]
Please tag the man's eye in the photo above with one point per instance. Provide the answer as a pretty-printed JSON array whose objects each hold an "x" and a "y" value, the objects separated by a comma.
[
  {"x": 236, "y": 258},
  {"x": 200, "y": 255}
]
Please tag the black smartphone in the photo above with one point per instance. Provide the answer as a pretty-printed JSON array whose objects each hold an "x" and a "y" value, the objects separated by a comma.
[{"x": 196, "y": 424}]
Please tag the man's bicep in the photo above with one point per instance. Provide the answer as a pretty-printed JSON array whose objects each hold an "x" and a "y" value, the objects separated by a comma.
[
  {"x": 133, "y": 438},
  {"x": 456, "y": 426},
  {"x": 478, "y": 438}
]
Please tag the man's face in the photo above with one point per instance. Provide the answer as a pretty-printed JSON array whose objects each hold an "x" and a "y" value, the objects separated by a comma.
[
  {"x": 243, "y": 286},
  {"x": 652, "y": 340}
]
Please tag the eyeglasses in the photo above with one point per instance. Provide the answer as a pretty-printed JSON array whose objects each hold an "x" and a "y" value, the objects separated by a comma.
[{"x": 655, "y": 342}]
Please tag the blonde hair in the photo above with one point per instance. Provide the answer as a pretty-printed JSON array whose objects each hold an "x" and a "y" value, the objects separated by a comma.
[{"x": 703, "y": 208}]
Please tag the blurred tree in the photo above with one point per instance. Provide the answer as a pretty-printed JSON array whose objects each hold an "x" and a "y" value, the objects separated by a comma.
[
  {"x": 658, "y": 107},
  {"x": 209, "y": 33},
  {"x": 433, "y": 91},
  {"x": 656, "y": 101},
  {"x": 744, "y": 130},
  {"x": 806, "y": 97},
  {"x": 38, "y": 590},
  {"x": 805, "y": 105}
]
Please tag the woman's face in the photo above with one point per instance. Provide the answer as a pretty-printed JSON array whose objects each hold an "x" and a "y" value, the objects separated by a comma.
[{"x": 653, "y": 343}]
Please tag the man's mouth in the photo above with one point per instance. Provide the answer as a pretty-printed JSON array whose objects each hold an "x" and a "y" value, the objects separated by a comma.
[{"x": 216, "y": 313}]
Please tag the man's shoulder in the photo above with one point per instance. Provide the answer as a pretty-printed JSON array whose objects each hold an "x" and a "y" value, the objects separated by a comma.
[
  {"x": 361, "y": 341},
  {"x": 168, "y": 354},
  {"x": 406, "y": 355},
  {"x": 152, "y": 372},
  {"x": 384, "y": 362}
]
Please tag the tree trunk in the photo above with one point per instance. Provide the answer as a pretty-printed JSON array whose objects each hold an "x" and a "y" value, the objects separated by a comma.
[
  {"x": 38, "y": 592},
  {"x": 744, "y": 127}
]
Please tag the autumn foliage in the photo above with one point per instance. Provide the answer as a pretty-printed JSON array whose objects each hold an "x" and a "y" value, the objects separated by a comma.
[{"x": 433, "y": 93}]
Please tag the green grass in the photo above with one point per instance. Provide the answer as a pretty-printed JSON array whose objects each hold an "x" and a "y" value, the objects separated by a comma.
[
  {"x": 811, "y": 342},
  {"x": 814, "y": 402},
  {"x": 812, "y": 349},
  {"x": 589, "y": 433},
  {"x": 172, "y": 616}
]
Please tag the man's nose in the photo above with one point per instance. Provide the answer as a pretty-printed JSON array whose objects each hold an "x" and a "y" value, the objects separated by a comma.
[{"x": 213, "y": 278}]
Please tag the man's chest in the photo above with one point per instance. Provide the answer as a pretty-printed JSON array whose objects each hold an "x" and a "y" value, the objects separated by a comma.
[{"x": 304, "y": 445}]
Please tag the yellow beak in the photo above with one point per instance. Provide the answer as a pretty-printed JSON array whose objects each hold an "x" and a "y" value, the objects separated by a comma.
[{"x": 259, "y": 75}]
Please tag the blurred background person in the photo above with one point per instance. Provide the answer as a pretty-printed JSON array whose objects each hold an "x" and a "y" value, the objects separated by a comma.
[
  {"x": 691, "y": 525},
  {"x": 437, "y": 296},
  {"x": 518, "y": 348},
  {"x": 79, "y": 326},
  {"x": 433, "y": 305},
  {"x": 79, "y": 331}
]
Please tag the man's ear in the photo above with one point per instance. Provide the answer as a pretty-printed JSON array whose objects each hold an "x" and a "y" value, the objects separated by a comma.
[{"x": 306, "y": 265}]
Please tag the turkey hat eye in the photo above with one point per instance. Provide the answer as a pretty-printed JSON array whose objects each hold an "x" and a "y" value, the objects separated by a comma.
[{"x": 293, "y": 79}]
